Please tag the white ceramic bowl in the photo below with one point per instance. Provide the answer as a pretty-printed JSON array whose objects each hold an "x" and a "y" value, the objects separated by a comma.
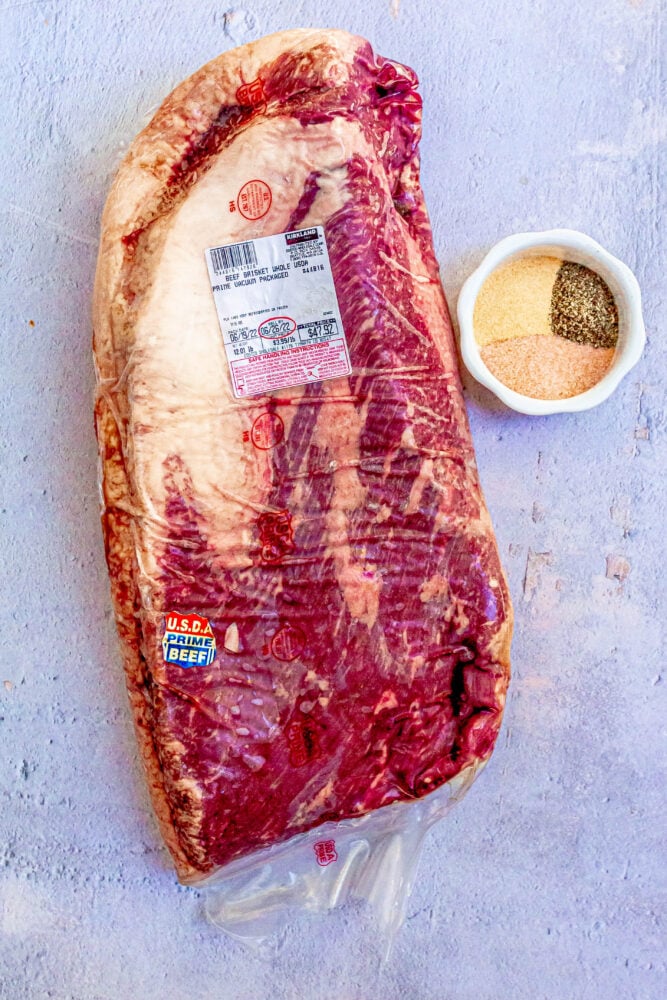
[{"x": 567, "y": 244}]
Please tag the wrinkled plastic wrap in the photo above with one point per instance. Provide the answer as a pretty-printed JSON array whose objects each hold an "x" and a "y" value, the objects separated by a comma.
[
  {"x": 373, "y": 858},
  {"x": 313, "y": 616}
]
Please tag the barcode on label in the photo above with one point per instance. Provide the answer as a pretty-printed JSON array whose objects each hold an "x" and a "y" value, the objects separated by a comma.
[{"x": 236, "y": 255}]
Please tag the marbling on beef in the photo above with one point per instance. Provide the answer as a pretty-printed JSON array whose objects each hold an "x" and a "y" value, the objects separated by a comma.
[{"x": 334, "y": 536}]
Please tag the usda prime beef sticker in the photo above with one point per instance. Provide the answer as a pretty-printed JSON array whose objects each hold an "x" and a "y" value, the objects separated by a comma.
[{"x": 188, "y": 640}]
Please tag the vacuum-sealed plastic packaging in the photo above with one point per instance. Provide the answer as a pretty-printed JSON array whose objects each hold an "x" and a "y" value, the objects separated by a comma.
[{"x": 314, "y": 619}]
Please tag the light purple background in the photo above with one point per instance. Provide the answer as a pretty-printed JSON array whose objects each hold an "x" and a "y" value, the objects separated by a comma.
[{"x": 548, "y": 881}]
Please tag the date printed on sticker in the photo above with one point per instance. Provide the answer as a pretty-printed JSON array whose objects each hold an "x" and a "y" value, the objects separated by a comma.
[{"x": 278, "y": 311}]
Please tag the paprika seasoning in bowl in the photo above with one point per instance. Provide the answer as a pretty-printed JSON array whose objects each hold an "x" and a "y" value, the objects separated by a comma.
[{"x": 550, "y": 322}]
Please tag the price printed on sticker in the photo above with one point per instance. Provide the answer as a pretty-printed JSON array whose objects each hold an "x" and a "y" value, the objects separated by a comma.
[{"x": 278, "y": 312}]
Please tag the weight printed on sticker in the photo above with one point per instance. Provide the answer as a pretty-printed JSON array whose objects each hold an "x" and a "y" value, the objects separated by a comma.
[{"x": 278, "y": 312}]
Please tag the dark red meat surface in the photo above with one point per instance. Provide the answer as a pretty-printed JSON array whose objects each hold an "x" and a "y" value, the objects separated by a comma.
[{"x": 334, "y": 535}]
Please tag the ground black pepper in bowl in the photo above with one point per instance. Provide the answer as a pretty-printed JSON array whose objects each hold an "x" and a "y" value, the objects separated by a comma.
[{"x": 582, "y": 307}]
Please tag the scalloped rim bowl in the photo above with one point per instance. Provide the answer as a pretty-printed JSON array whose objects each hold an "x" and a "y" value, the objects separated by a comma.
[{"x": 567, "y": 244}]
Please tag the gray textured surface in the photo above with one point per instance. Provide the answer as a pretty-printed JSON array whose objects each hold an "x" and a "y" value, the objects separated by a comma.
[{"x": 549, "y": 880}]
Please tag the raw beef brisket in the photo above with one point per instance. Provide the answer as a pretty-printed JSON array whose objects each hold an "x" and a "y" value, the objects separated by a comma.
[{"x": 327, "y": 545}]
